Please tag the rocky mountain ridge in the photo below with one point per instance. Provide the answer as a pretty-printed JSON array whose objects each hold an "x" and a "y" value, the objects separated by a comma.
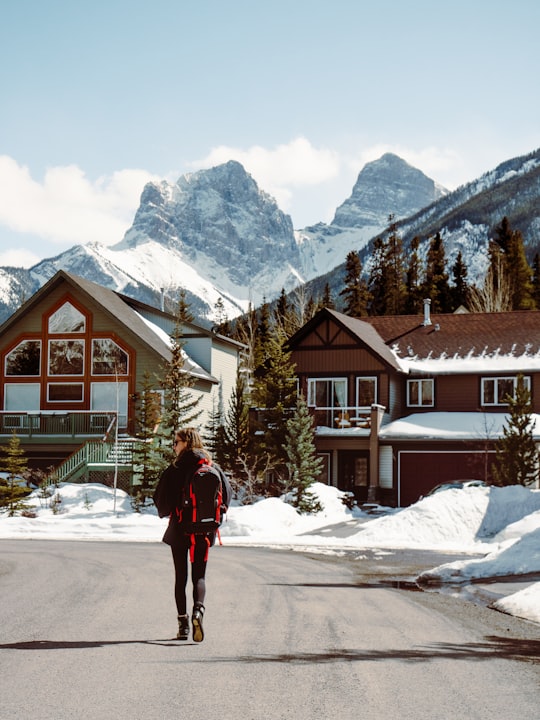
[{"x": 220, "y": 237}]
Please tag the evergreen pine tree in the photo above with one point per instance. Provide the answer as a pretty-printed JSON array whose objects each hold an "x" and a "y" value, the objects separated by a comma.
[
  {"x": 261, "y": 340},
  {"x": 376, "y": 281},
  {"x": 436, "y": 285},
  {"x": 237, "y": 437},
  {"x": 303, "y": 465},
  {"x": 275, "y": 395},
  {"x": 327, "y": 299},
  {"x": 179, "y": 403},
  {"x": 285, "y": 316},
  {"x": 459, "y": 293},
  {"x": 214, "y": 433},
  {"x": 394, "y": 272},
  {"x": 516, "y": 461},
  {"x": 221, "y": 321},
  {"x": 536, "y": 281},
  {"x": 414, "y": 296},
  {"x": 149, "y": 460},
  {"x": 355, "y": 291},
  {"x": 509, "y": 272},
  {"x": 519, "y": 272},
  {"x": 13, "y": 463}
]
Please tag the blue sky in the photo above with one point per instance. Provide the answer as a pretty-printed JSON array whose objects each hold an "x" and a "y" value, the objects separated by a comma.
[{"x": 99, "y": 97}]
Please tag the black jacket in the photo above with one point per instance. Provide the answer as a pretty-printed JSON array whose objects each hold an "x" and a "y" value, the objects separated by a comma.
[{"x": 170, "y": 491}]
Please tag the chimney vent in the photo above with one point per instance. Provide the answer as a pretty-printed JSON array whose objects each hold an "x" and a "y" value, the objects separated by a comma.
[{"x": 427, "y": 307}]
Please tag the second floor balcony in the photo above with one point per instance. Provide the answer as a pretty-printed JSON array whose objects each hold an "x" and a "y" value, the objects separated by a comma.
[
  {"x": 57, "y": 424},
  {"x": 342, "y": 418}
]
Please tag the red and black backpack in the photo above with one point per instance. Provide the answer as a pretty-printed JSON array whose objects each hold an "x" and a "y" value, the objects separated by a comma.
[{"x": 202, "y": 501}]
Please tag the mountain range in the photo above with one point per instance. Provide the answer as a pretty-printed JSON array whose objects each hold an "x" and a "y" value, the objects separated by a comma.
[{"x": 216, "y": 234}]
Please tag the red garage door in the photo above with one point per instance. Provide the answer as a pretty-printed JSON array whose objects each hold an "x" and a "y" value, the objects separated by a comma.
[{"x": 419, "y": 472}]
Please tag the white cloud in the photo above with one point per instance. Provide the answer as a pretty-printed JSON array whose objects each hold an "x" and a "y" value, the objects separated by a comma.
[
  {"x": 281, "y": 169},
  {"x": 18, "y": 257},
  {"x": 66, "y": 207}
]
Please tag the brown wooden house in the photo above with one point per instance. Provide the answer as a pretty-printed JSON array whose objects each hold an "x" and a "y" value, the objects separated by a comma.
[
  {"x": 73, "y": 356},
  {"x": 404, "y": 403}
]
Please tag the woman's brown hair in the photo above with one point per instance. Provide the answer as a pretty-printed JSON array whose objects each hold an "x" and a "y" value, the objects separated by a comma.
[{"x": 193, "y": 441}]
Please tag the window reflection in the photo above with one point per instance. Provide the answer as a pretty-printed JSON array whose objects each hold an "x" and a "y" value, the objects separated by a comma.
[
  {"x": 66, "y": 357},
  {"x": 108, "y": 358},
  {"x": 24, "y": 359},
  {"x": 67, "y": 319}
]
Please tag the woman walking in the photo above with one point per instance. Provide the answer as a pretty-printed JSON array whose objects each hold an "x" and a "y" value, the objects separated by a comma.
[{"x": 170, "y": 499}]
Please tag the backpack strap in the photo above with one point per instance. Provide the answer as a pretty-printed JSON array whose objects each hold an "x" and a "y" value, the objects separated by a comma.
[{"x": 192, "y": 547}]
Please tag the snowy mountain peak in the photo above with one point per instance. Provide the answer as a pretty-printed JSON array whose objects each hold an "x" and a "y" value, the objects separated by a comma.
[
  {"x": 387, "y": 186},
  {"x": 218, "y": 236},
  {"x": 218, "y": 214}
]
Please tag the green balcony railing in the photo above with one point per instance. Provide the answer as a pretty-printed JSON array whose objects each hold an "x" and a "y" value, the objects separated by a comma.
[{"x": 32, "y": 424}]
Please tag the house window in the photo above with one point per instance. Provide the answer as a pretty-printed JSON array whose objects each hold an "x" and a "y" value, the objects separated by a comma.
[
  {"x": 66, "y": 357},
  {"x": 108, "y": 358},
  {"x": 327, "y": 393},
  {"x": 420, "y": 393},
  {"x": 65, "y": 392},
  {"x": 24, "y": 360},
  {"x": 67, "y": 319},
  {"x": 496, "y": 389},
  {"x": 366, "y": 391},
  {"x": 22, "y": 396},
  {"x": 112, "y": 397}
]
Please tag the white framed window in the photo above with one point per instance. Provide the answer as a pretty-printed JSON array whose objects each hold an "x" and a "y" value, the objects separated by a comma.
[
  {"x": 24, "y": 360},
  {"x": 22, "y": 396},
  {"x": 108, "y": 358},
  {"x": 366, "y": 391},
  {"x": 495, "y": 389},
  {"x": 110, "y": 396},
  {"x": 327, "y": 393},
  {"x": 67, "y": 319},
  {"x": 66, "y": 357},
  {"x": 420, "y": 393}
]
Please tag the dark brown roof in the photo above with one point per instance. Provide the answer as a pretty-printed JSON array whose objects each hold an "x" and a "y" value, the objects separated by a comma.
[{"x": 460, "y": 334}]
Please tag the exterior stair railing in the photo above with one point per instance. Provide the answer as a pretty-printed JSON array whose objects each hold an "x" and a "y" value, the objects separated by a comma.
[{"x": 93, "y": 452}]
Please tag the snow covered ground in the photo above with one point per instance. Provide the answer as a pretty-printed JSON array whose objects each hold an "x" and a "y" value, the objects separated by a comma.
[{"x": 501, "y": 523}]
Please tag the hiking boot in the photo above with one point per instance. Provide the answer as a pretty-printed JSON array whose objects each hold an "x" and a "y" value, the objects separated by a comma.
[
  {"x": 183, "y": 627},
  {"x": 196, "y": 620}
]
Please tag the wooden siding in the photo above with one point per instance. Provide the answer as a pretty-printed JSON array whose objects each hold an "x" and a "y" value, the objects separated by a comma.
[
  {"x": 336, "y": 360},
  {"x": 453, "y": 393},
  {"x": 462, "y": 393},
  {"x": 224, "y": 368},
  {"x": 327, "y": 334}
]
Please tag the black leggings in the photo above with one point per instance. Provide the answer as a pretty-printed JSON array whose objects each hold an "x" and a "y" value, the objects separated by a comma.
[{"x": 180, "y": 553}]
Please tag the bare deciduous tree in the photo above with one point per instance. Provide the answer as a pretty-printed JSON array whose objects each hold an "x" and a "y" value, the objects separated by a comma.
[{"x": 495, "y": 295}]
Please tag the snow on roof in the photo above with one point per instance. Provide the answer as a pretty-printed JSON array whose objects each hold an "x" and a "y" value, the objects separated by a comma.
[
  {"x": 488, "y": 363},
  {"x": 193, "y": 368},
  {"x": 451, "y": 426}
]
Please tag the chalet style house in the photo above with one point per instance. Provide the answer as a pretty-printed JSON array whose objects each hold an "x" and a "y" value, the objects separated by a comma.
[
  {"x": 403, "y": 403},
  {"x": 73, "y": 357}
]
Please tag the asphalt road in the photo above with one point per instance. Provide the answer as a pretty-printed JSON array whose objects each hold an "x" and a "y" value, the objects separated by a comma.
[{"x": 86, "y": 632}]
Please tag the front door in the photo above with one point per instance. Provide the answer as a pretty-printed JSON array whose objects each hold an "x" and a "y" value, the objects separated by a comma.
[{"x": 353, "y": 473}]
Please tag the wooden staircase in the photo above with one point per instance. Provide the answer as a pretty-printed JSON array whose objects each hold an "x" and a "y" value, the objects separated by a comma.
[{"x": 94, "y": 455}]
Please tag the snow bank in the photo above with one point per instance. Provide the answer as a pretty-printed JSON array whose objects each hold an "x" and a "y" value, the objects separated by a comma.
[{"x": 503, "y": 523}]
